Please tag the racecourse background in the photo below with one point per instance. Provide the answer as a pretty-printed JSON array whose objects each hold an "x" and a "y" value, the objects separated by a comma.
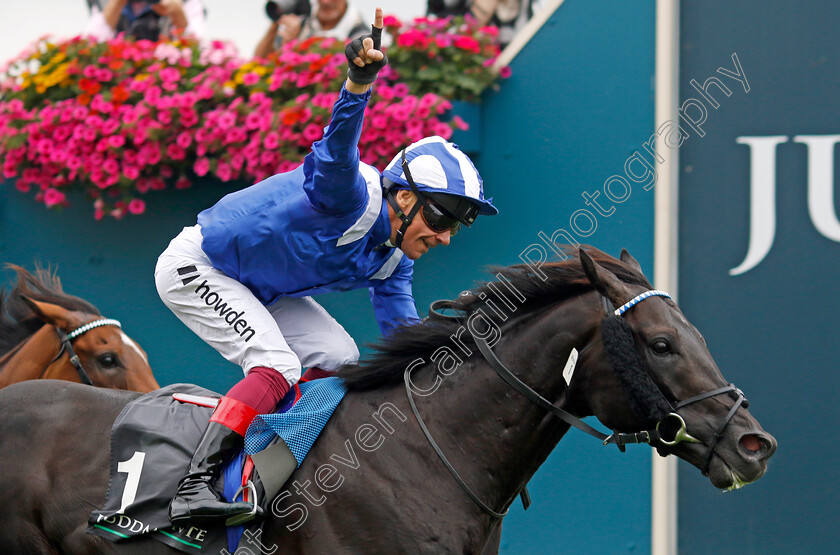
[{"x": 243, "y": 22}]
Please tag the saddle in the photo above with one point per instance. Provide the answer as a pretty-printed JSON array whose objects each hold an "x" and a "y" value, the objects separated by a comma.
[{"x": 154, "y": 437}]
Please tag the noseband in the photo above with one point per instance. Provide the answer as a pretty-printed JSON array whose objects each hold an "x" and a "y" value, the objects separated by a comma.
[
  {"x": 65, "y": 339},
  {"x": 670, "y": 430}
]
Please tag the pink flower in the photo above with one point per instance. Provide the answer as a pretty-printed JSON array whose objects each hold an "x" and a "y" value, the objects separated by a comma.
[
  {"x": 136, "y": 206},
  {"x": 169, "y": 74},
  {"x": 227, "y": 120},
  {"x": 505, "y": 72},
  {"x": 391, "y": 21},
  {"x": 400, "y": 90},
  {"x": 400, "y": 113},
  {"x": 312, "y": 132},
  {"x": 111, "y": 166},
  {"x": 250, "y": 79},
  {"x": 175, "y": 152},
  {"x": 411, "y": 38},
  {"x": 386, "y": 92},
  {"x": 158, "y": 184},
  {"x": 143, "y": 185},
  {"x": 223, "y": 171},
  {"x": 131, "y": 172},
  {"x": 201, "y": 166},
  {"x": 184, "y": 140},
  {"x": 183, "y": 183},
  {"x": 116, "y": 141},
  {"x": 44, "y": 146},
  {"x": 253, "y": 120},
  {"x": 189, "y": 117},
  {"x": 460, "y": 123},
  {"x": 271, "y": 141}
]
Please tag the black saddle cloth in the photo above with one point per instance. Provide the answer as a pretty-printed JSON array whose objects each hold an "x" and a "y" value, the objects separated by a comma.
[{"x": 152, "y": 442}]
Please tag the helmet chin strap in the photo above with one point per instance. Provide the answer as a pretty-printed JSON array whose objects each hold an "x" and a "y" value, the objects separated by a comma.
[{"x": 406, "y": 219}]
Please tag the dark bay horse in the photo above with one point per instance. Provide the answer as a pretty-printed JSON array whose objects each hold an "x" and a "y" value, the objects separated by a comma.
[
  {"x": 46, "y": 333},
  {"x": 373, "y": 482}
]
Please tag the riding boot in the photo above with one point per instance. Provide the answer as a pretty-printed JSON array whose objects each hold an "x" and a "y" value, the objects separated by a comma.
[{"x": 196, "y": 500}]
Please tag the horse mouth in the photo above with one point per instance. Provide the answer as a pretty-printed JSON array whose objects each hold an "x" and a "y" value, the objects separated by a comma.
[
  {"x": 728, "y": 477},
  {"x": 735, "y": 481}
]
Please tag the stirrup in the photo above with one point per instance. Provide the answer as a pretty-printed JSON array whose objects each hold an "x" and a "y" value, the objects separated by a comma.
[{"x": 236, "y": 520}]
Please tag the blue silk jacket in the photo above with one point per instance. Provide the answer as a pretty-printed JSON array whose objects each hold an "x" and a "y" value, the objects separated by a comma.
[{"x": 318, "y": 229}]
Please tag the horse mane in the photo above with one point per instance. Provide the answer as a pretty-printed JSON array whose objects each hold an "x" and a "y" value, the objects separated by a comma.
[
  {"x": 564, "y": 280},
  {"x": 17, "y": 320}
]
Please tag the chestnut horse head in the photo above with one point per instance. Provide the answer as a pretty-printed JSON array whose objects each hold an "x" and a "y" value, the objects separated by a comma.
[{"x": 46, "y": 333}]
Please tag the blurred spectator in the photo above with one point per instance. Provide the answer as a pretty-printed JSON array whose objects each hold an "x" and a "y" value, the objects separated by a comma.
[
  {"x": 297, "y": 19},
  {"x": 508, "y": 15},
  {"x": 151, "y": 20}
]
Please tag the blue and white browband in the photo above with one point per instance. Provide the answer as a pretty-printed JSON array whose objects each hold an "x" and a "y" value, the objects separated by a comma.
[{"x": 639, "y": 298}]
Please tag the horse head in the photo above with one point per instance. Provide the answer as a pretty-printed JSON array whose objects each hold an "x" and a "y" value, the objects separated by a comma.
[
  {"x": 106, "y": 355},
  {"x": 46, "y": 333},
  {"x": 654, "y": 359}
]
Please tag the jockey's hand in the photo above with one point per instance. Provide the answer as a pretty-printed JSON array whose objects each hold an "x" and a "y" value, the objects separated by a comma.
[{"x": 365, "y": 56}]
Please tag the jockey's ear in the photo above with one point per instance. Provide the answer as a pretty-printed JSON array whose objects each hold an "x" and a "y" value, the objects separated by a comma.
[
  {"x": 604, "y": 281},
  {"x": 54, "y": 315}
]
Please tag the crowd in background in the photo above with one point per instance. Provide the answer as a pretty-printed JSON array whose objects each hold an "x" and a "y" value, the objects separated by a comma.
[{"x": 289, "y": 19}]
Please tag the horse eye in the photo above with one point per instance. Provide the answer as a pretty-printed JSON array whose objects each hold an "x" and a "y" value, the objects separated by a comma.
[
  {"x": 108, "y": 360},
  {"x": 660, "y": 347}
]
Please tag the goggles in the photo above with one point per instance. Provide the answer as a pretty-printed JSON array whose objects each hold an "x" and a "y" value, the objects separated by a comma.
[{"x": 440, "y": 211}]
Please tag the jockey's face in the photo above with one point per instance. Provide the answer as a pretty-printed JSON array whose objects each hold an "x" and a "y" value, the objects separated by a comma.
[{"x": 418, "y": 238}]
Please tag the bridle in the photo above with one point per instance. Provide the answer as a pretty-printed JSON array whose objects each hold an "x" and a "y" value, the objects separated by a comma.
[
  {"x": 669, "y": 431},
  {"x": 65, "y": 340}
]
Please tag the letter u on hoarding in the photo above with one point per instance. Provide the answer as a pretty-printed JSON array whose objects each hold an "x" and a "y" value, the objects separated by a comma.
[{"x": 763, "y": 192}]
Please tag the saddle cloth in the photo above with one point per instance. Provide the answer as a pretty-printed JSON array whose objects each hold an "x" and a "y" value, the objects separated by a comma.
[{"x": 152, "y": 442}]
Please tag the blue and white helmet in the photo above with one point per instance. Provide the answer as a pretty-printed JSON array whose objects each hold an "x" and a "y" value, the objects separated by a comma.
[{"x": 439, "y": 167}]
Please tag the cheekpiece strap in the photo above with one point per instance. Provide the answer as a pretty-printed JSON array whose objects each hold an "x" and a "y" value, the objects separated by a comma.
[{"x": 639, "y": 298}]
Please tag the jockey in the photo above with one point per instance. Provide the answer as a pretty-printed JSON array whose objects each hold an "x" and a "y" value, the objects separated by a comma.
[{"x": 242, "y": 279}]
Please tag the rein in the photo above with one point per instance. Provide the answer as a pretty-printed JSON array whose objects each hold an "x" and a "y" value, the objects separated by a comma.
[
  {"x": 673, "y": 428},
  {"x": 65, "y": 340}
]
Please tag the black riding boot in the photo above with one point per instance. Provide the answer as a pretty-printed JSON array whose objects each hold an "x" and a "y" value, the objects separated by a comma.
[{"x": 196, "y": 500}]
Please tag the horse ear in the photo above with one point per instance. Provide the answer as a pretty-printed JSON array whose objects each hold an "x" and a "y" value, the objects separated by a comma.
[
  {"x": 604, "y": 281},
  {"x": 630, "y": 261},
  {"x": 53, "y": 314}
]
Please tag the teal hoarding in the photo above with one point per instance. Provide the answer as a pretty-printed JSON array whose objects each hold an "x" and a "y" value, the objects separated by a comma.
[{"x": 759, "y": 258}]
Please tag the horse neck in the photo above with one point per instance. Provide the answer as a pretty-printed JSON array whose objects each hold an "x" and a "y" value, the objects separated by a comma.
[
  {"x": 492, "y": 434},
  {"x": 31, "y": 358}
]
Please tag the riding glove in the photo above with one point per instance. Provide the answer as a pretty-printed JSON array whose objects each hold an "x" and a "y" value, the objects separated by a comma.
[{"x": 367, "y": 74}]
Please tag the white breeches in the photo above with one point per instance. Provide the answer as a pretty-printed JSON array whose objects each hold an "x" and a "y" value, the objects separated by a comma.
[{"x": 293, "y": 332}]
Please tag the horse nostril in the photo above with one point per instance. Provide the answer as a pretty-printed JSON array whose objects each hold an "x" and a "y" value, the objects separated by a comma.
[{"x": 752, "y": 443}]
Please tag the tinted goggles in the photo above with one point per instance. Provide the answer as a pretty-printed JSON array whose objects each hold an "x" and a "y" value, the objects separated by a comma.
[{"x": 438, "y": 217}]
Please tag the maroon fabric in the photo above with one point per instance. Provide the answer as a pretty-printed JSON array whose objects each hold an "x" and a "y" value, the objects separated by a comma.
[
  {"x": 315, "y": 373},
  {"x": 261, "y": 389}
]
